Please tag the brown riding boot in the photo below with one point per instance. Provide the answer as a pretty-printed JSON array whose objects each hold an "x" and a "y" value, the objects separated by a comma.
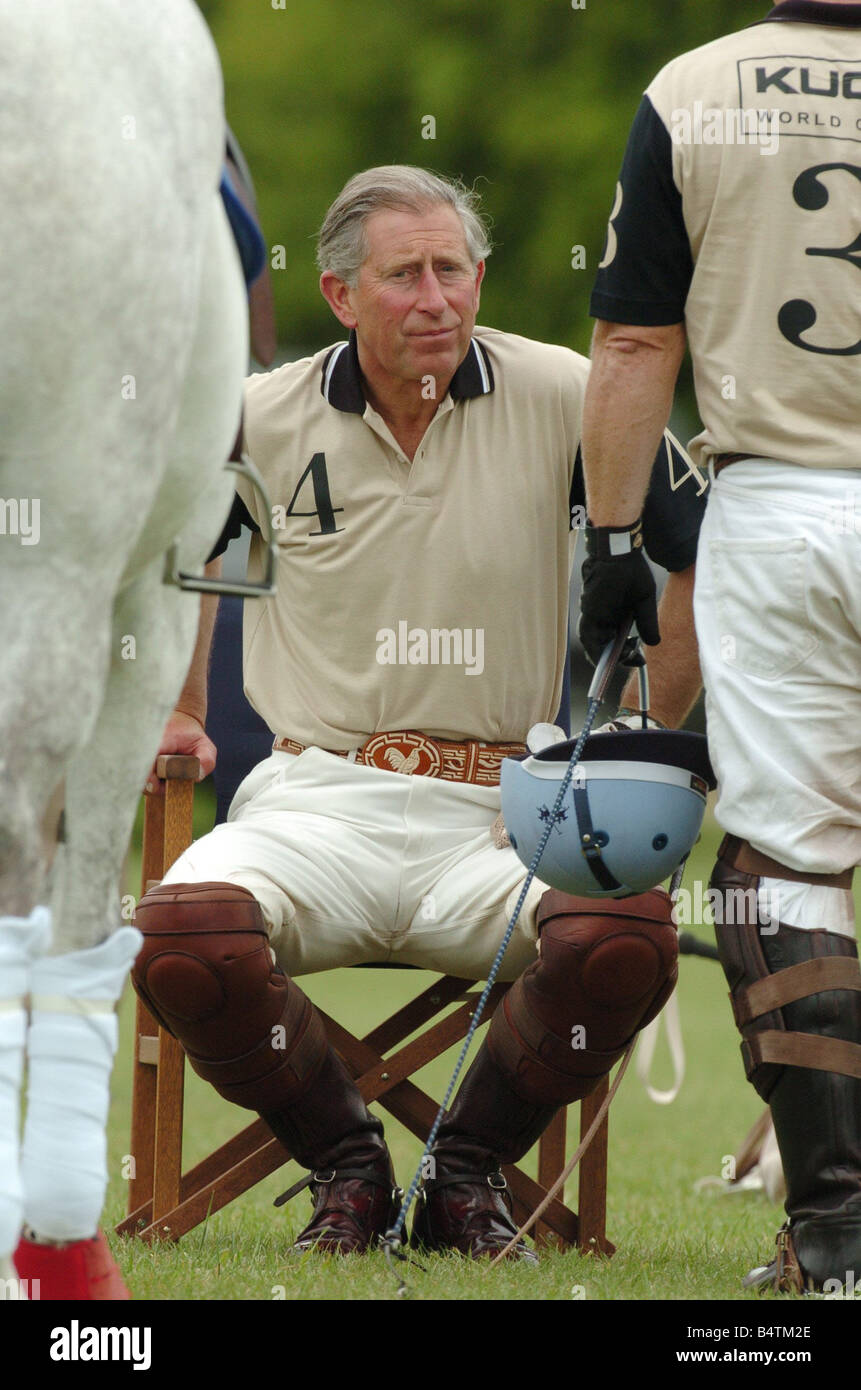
[
  {"x": 331, "y": 1132},
  {"x": 605, "y": 969},
  {"x": 465, "y": 1204}
]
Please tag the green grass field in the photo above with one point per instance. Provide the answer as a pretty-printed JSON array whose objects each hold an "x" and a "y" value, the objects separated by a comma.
[{"x": 672, "y": 1243}]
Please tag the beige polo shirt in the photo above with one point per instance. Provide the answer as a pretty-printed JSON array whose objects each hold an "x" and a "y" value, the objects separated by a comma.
[
  {"x": 430, "y": 595},
  {"x": 738, "y": 210}
]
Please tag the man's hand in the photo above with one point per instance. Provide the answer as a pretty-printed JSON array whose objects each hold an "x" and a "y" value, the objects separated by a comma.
[
  {"x": 183, "y": 734},
  {"x": 629, "y": 719},
  {"x": 617, "y": 588}
]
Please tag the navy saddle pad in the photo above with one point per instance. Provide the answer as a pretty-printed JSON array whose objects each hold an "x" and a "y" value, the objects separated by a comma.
[{"x": 246, "y": 229}]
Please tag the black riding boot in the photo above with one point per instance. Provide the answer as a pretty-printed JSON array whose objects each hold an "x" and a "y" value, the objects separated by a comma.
[{"x": 796, "y": 999}]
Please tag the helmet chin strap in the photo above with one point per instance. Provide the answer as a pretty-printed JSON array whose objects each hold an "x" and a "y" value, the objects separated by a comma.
[
  {"x": 597, "y": 691},
  {"x": 591, "y": 842}
]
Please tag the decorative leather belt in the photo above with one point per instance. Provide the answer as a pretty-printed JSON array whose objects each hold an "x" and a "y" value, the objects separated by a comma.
[
  {"x": 721, "y": 461},
  {"x": 412, "y": 752}
]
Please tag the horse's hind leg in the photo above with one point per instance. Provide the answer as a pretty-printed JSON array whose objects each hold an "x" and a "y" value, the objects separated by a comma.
[
  {"x": 73, "y": 1032},
  {"x": 48, "y": 696},
  {"x": 72, "y": 1037},
  {"x": 50, "y": 693},
  {"x": 64, "y": 1181}
]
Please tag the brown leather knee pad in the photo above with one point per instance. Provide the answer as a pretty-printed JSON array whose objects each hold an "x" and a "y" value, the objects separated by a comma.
[
  {"x": 607, "y": 967},
  {"x": 207, "y": 973}
]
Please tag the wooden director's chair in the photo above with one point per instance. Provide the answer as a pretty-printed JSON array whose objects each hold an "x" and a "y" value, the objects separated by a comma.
[{"x": 165, "y": 1203}]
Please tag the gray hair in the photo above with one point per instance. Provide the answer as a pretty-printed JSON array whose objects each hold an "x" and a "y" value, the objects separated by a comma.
[{"x": 342, "y": 244}]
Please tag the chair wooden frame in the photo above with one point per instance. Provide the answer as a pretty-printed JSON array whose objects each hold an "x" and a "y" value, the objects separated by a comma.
[{"x": 165, "y": 1204}]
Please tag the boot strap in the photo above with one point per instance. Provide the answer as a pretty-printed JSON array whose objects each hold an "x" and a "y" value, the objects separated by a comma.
[
  {"x": 328, "y": 1175},
  {"x": 787, "y": 1269},
  {"x": 784, "y": 1274},
  {"x": 809, "y": 1050},
  {"x": 495, "y": 1180},
  {"x": 793, "y": 983},
  {"x": 741, "y": 855}
]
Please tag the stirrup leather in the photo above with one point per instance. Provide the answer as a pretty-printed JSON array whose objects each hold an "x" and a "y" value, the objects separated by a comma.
[{"x": 325, "y": 1176}]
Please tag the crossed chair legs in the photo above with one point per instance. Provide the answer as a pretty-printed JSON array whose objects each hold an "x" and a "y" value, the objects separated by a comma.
[{"x": 207, "y": 974}]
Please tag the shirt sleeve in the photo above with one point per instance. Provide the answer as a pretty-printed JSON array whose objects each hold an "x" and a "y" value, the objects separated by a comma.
[
  {"x": 238, "y": 517},
  {"x": 646, "y": 269},
  {"x": 674, "y": 507}
]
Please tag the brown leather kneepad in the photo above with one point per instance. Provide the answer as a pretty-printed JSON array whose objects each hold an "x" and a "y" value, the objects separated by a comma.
[
  {"x": 207, "y": 973},
  {"x": 606, "y": 969}
]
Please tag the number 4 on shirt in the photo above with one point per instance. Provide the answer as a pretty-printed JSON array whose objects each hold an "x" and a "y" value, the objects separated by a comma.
[{"x": 323, "y": 508}]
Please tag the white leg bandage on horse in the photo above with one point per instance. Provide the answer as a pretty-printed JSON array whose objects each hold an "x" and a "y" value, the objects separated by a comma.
[
  {"x": 70, "y": 1052},
  {"x": 21, "y": 939}
]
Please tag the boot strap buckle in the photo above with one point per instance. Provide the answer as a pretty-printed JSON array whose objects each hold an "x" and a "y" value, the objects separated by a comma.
[{"x": 309, "y": 1180}]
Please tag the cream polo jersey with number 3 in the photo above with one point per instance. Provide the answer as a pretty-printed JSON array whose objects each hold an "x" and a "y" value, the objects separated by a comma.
[
  {"x": 756, "y": 242},
  {"x": 430, "y": 595}
]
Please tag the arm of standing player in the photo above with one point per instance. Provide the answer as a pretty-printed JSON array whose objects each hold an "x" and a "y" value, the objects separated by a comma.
[
  {"x": 629, "y": 396},
  {"x": 628, "y": 400},
  {"x": 639, "y": 300}
]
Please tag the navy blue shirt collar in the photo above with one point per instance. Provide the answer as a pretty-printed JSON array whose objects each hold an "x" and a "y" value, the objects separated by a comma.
[
  {"x": 816, "y": 12},
  {"x": 341, "y": 382}
]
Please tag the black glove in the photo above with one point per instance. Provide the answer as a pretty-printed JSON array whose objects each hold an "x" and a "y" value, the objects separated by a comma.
[{"x": 617, "y": 589}]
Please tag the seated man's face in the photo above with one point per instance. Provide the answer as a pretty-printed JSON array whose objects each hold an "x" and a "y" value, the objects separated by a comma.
[{"x": 417, "y": 296}]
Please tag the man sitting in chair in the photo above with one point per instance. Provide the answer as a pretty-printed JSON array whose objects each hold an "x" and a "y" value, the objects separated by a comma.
[{"x": 424, "y": 476}]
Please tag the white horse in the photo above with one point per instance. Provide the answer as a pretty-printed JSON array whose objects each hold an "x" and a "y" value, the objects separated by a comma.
[{"x": 123, "y": 346}]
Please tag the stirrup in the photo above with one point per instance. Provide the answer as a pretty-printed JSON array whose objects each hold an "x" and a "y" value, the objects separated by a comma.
[{"x": 784, "y": 1274}]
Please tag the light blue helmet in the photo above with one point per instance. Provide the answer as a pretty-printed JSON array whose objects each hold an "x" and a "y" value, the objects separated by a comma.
[{"x": 630, "y": 815}]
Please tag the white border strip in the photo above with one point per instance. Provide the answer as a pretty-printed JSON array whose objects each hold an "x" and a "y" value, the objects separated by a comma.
[
  {"x": 330, "y": 369},
  {"x": 482, "y": 369},
  {"x": 593, "y": 771}
]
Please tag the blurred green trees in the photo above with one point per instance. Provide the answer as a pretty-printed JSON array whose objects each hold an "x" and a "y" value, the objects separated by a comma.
[{"x": 531, "y": 100}]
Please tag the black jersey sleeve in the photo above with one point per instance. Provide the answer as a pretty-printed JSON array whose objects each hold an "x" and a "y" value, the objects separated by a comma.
[
  {"x": 646, "y": 268},
  {"x": 238, "y": 517},
  {"x": 674, "y": 507}
]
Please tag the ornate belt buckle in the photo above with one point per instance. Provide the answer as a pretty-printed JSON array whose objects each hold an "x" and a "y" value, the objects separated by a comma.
[{"x": 409, "y": 752}]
